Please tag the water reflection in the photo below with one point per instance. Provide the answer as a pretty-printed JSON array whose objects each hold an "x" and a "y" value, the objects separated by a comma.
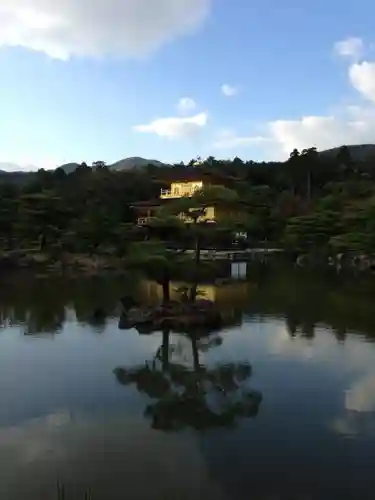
[
  {"x": 230, "y": 296},
  {"x": 197, "y": 396},
  {"x": 306, "y": 343},
  {"x": 306, "y": 301},
  {"x": 43, "y": 305}
]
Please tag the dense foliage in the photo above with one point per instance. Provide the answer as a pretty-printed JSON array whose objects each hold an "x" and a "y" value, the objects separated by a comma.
[{"x": 312, "y": 201}]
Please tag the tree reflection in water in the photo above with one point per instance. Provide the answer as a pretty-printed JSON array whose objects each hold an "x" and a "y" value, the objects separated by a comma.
[{"x": 200, "y": 398}]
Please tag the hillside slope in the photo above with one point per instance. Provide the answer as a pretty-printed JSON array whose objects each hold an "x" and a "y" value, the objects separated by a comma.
[
  {"x": 134, "y": 162},
  {"x": 358, "y": 152}
]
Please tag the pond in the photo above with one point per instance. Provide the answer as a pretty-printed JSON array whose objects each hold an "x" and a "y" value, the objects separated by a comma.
[{"x": 279, "y": 404}]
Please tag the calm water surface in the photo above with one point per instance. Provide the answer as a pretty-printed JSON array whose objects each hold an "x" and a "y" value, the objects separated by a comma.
[{"x": 285, "y": 407}]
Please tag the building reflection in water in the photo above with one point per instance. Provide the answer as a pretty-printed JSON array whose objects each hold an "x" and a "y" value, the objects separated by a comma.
[
  {"x": 230, "y": 296},
  {"x": 42, "y": 307},
  {"x": 183, "y": 391}
]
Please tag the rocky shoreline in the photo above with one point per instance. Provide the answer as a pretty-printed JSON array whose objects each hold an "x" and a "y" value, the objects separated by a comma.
[
  {"x": 349, "y": 261},
  {"x": 91, "y": 265},
  {"x": 198, "y": 315},
  {"x": 78, "y": 263}
]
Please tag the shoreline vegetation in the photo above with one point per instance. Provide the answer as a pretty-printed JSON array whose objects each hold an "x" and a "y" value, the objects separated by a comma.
[
  {"x": 210, "y": 268},
  {"x": 88, "y": 265},
  {"x": 317, "y": 209},
  {"x": 96, "y": 264}
]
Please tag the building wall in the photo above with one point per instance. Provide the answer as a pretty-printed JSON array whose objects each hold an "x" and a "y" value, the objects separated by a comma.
[
  {"x": 209, "y": 216},
  {"x": 217, "y": 213},
  {"x": 227, "y": 213},
  {"x": 213, "y": 213},
  {"x": 185, "y": 188},
  {"x": 180, "y": 189},
  {"x": 227, "y": 295}
]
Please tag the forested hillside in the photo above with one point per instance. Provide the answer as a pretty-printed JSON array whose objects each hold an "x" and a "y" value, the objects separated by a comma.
[{"x": 310, "y": 202}]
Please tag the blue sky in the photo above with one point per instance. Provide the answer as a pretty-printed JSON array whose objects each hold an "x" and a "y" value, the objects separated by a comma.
[{"x": 173, "y": 79}]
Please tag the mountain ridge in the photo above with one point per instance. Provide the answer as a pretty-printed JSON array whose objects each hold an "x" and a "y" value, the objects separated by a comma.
[
  {"x": 121, "y": 165},
  {"x": 358, "y": 152}
]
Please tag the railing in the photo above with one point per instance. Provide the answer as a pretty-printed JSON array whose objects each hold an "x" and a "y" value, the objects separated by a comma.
[
  {"x": 166, "y": 193},
  {"x": 203, "y": 218},
  {"x": 142, "y": 221}
]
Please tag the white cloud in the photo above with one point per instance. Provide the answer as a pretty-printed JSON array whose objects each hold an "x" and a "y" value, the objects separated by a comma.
[
  {"x": 186, "y": 105},
  {"x": 350, "y": 47},
  {"x": 362, "y": 77},
  {"x": 97, "y": 27},
  {"x": 228, "y": 139},
  {"x": 354, "y": 424},
  {"x": 361, "y": 396},
  {"x": 354, "y": 124},
  {"x": 357, "y": 419},
  {"x": 229, "y": 90},
  {"x": 175, "y": 127},
  {"x": 37, "y": 449},
  {"x": 281, "y": 344}
]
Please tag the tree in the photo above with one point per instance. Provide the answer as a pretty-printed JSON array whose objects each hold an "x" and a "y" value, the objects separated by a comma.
[
  {"x": 82, "y": 170},
  {"x": 312, "y": 232},
  {"x": 309, "y": 162},
  {"x": 9, "y": 203},
  {"x": 198, "y": 397},
  {"x": 59, "y": 174},
  {"x": 99, "y": 165},
  {"x": 344, "y": 159},
  {"x": 43, "y": 216},
  {"x": 90, "y": 209},
  {"x": 292, "y": 168},
  {"x": 192, "y": 210},
  {"x": 156, "y": 261}
]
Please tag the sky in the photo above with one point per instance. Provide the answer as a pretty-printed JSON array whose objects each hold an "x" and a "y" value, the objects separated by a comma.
[{"x": 86, "y": 80}]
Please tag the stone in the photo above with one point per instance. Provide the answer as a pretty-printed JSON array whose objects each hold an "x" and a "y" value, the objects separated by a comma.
[{"x": 177, "y": 316}]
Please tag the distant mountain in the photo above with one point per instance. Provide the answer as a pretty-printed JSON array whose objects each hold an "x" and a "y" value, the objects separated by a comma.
[
  {"x": 12, "y": 171},
  {"x": 6, "y": 167},
  {"x": 125, "y": 164},
  {"x": 358, "y": 152},
  {"x": 16, "y": 176},
  {"x": 69, "y": 167},
  {"x": 134, "y": 162}
]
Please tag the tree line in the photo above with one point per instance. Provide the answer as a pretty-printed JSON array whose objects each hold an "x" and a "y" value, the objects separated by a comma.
[{"x": 313, "y": 201}]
